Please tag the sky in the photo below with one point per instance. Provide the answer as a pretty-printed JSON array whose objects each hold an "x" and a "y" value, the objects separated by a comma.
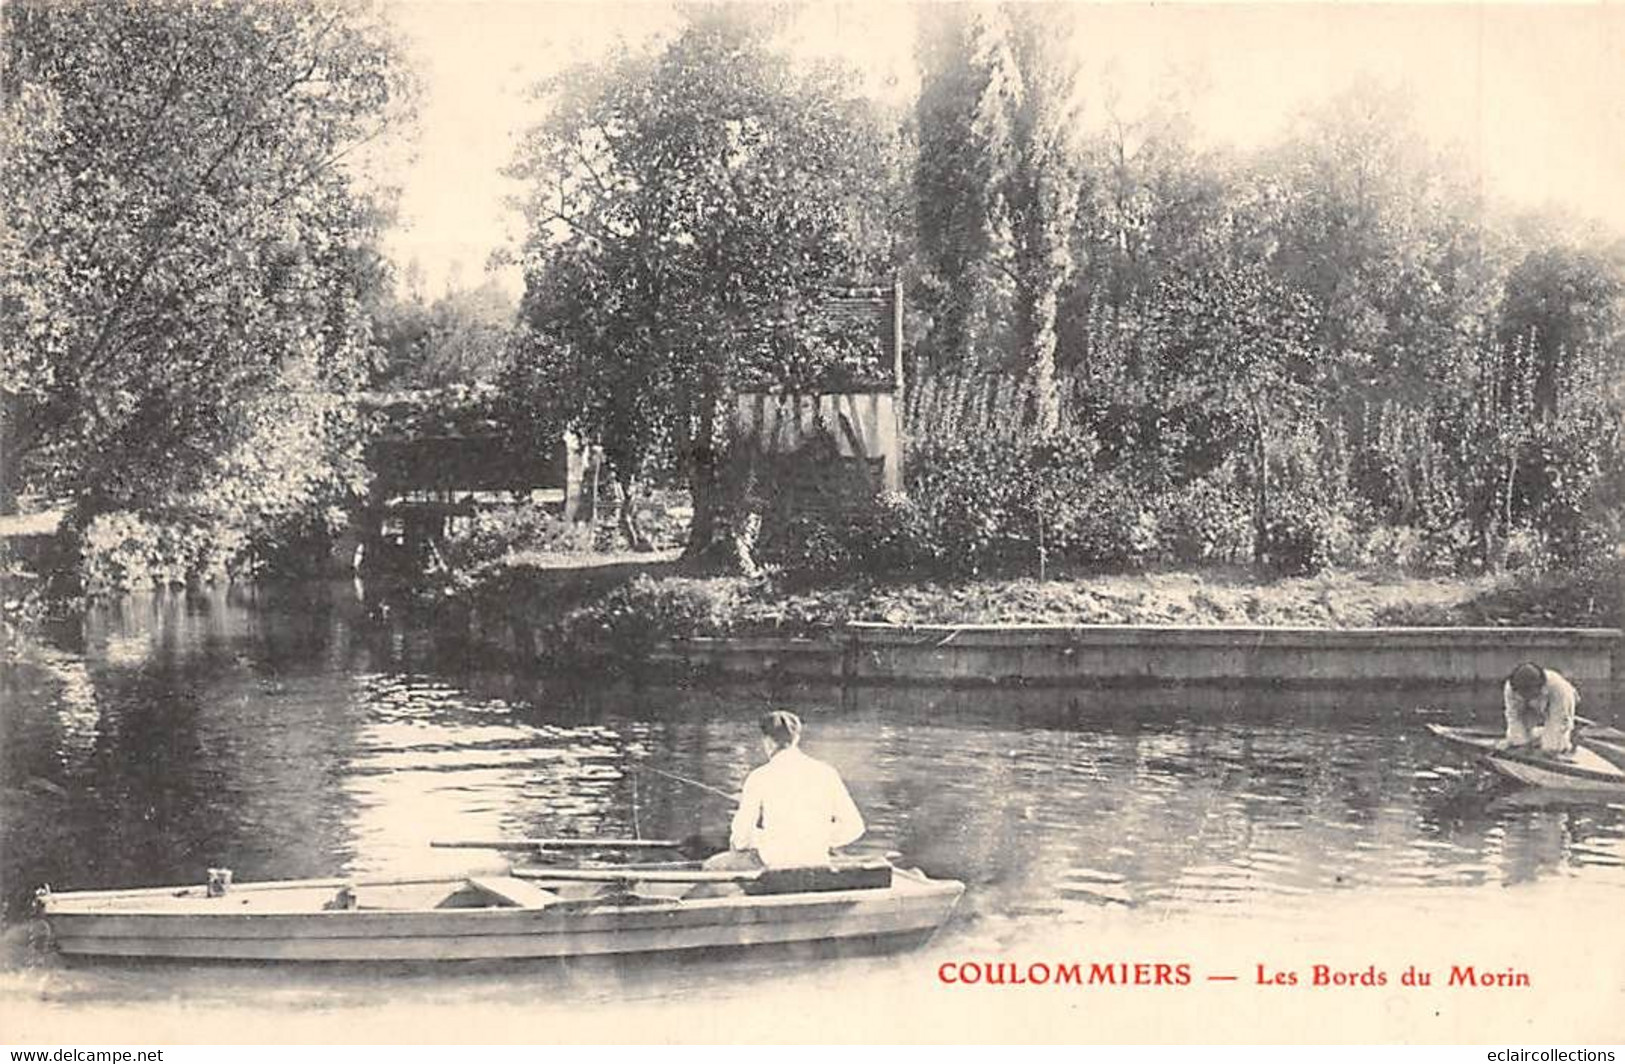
[{"x": 1534, "y": 95}]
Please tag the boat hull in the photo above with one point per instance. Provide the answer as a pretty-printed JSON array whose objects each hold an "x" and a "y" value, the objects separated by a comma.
[
  {"x": 124, "y": 925},
  {"x": 1539, "y": 776},
  {"x": 1586, "y": 769}
]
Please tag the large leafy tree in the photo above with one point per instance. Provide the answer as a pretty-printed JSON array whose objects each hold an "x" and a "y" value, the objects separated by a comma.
[
  {"x": 1150, "y": 203},
  {"x": 687, "y": 210},
  {"x": 187, "y": 246},
  {"x": 1387, "y": 235}
]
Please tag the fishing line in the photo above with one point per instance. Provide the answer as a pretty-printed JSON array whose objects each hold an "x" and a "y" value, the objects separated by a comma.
[
  {"x": 692, "y": 783},
  {"x": 637, "y": 831}
]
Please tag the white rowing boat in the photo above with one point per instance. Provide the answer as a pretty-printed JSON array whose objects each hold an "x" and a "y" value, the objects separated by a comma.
[
  {"x": 1593, "y": 765},
  {"x": 527, "y": 913}
]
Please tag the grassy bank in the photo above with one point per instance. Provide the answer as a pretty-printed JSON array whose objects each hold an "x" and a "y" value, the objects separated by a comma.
[{"x": 626, "y": 606}]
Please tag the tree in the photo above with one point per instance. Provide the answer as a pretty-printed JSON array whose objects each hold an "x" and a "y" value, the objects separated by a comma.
[
  {"x": 462, "y": 337},
  {"x": 188, "y": 245},
  {"x": 963, "y": 150},
  {"x": 687, "y": 210},
  {"x": 1567, "y": 302},
  {"x": 1387, "y": 235},
  {"x": 581, "y": 366},
  {"x": 1244, "y": 342},
  {"x": 1149, "y": 203},
  {"x": 1041, "y": 197},
  {"x": 1389, "y": 238},
  {"x": 998, "y": 185}
]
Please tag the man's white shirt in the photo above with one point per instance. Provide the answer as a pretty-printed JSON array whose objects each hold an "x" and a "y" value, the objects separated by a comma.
[
  {"x": 793, "y": 810},
  {"x": 1557, "y": 701}
]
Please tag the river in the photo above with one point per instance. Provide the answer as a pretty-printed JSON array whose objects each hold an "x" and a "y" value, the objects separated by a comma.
[{"x": 286, "y": 732}]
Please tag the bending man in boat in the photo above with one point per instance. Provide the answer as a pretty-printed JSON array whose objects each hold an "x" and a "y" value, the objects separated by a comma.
[
  {"x": 1540, "y": 707},
  {"x": 792, "y": 811}
]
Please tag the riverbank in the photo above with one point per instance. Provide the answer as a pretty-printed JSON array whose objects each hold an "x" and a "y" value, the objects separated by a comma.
[
  {"x": 715, "y": 606},
  {"x": 1138, "y": 628}
]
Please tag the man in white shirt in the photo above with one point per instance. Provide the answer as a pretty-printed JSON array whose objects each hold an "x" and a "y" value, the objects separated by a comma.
[
  {"x": 793, "y": 810},
  {"x": 1540, "y": 707}
]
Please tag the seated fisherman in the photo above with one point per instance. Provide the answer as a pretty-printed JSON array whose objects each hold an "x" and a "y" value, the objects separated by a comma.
[
  {"x": 792, "y": 811},
  {"x": 1540, "y": 706}
]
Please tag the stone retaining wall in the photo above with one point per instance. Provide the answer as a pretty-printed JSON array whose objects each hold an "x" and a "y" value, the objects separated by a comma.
[{"x": 1058, "y": 656}]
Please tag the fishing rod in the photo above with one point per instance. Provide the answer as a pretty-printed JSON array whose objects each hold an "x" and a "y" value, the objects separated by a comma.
[{"x": 691, "y": 782}]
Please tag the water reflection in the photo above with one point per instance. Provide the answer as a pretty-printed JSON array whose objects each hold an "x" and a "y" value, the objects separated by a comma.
[{"x": 283, "y": 734}]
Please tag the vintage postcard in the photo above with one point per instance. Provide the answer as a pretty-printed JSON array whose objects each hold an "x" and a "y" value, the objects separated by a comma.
[{"x": 554, "y": 522}]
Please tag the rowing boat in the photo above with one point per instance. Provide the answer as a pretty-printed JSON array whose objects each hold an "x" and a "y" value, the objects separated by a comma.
[
  {"x": 524, "y": 914},
  {"x": 1593, "y": 765}
]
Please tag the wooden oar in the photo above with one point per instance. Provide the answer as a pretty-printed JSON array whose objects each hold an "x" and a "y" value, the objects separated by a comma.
[
  {"x": 1590, "y": 729},
  {"x": 559, "y": 844},
  {"x": 633, "y": 875}
]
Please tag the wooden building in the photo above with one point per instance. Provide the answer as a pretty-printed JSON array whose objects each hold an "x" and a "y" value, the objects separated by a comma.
[{"x": 840, "y": 443}]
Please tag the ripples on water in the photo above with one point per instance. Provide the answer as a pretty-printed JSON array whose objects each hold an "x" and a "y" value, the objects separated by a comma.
[{"x": 287, "y": 737}]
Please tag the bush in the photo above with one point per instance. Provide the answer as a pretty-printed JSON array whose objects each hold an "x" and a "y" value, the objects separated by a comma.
[
  {"x": 978, "y": 506},
  {"x": 645, "y": 610},
  {"x": 971, "y": 498},
  {"x": 492, "y": 535},
  {"x": 301, "y": 545},
  {"x": 1563, "y": 475},
  {"x": 128, "y": 551},
  {"x": 1106, "y": 523},
  {"x": 990, "y": 504},
  {"x": 1207, "y": 520},
  {"x": 813, "y": 544},
  {"x": 1591, "y": 596},
  {"x": 1299, "y": 535},
  {"x": 884, "y": 538},
  {"x": 1390, "y": 548}
]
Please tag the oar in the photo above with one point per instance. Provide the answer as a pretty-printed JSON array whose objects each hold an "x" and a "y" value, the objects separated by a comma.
[
  {"x": 632, "y": 875},
  {"x": 559, "y": 844},
  {"x": 1592, "y": 730}
]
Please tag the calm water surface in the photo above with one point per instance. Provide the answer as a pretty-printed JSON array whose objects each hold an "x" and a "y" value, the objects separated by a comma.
[{"x": 282, "y": 733}]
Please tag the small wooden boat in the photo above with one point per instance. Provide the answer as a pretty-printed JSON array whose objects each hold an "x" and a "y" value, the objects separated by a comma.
[
  {"x": 527, "y": 913},
  {"x": 1592, "y": 766}
]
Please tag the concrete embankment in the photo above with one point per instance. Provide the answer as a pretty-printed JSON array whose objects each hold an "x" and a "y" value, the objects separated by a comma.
[{"x": 1112, "y": 655}]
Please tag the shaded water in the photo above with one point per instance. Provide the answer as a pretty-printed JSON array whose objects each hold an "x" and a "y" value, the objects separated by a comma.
[{"x": 282, "y": 733}]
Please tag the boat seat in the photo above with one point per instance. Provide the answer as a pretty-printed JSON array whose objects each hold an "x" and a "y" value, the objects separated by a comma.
[
  {"x": 512, "y": 893},
  {"x": 845, "y": 875},
  {"x": 614, "y": 899}
]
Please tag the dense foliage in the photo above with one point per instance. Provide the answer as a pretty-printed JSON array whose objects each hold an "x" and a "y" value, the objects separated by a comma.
[
  {"x": 687, "y": 208},
  {"x": 624, "y": 622},
  {"x": 1336, "y": 336},
  {"x": 495, "y": 535},
  {"x": 1123, "y": 349},
  {"x": 460, "y": 338},
  {"x": 1128, "y": 351},
  {"x": 998, "y": 188},
  {"x": 188, "y": 255}
]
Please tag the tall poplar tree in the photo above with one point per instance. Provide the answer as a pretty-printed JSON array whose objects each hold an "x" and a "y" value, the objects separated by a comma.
[
  {"x": 964, "y": 144},
  {"x": 997, "y": 185}
]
